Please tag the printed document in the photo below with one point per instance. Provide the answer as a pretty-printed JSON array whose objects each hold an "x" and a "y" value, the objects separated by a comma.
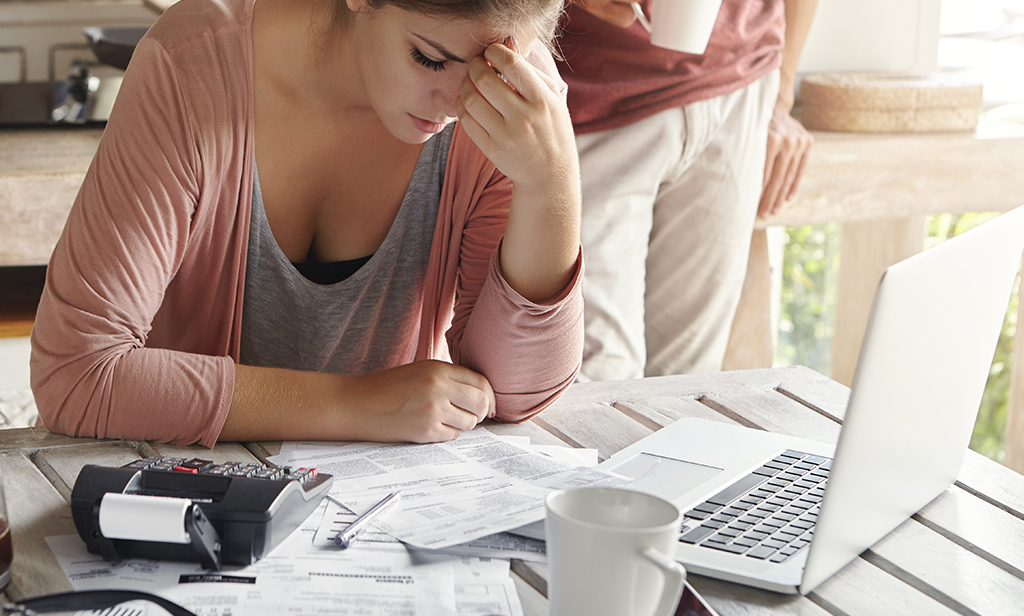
[{"x": 453, "y": 492}]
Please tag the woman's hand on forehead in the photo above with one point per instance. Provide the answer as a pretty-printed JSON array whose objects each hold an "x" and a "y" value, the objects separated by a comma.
[{"x": 515, "y": 114}]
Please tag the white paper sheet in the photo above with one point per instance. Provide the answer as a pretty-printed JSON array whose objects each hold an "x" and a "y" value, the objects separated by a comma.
[
  {"x": 452, "y": 493},
  {"x": 377, "y": 582}
]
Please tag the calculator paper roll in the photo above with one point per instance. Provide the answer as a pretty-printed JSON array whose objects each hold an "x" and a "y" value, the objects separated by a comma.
[{"x": 144, "y": 518}]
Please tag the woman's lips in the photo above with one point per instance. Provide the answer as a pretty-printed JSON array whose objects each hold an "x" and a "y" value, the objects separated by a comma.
[{"x": 426, "y": 126}]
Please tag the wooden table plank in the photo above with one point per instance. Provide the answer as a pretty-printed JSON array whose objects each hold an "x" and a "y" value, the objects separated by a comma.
[
  {"x": 729, "y": 598},
  {"x": 592, "y": 426},
  {"x": 946, "y": 571},
  {"x": 659, "y": 412},
  {"x": 61, "y": 466},
  {"x": 36, "y": 510},
  {"x": 534, "y": 603},
  {"x": 993, "y": 482},
  {"x": 31, "y": 439},
  {"x": 534, "y": 575},
  {"x": 856, "y": 589},
  {"x": 978, "y": 526},
  {"x": 777, "y": 412},
  {"x": 686, "y": 385},
  {"x": 816, "y": 391}
]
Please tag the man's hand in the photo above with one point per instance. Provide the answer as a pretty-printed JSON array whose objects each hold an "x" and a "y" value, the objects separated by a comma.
[
  {"x": 788, "y": 146},
  {"x": 613, "y": 11}
]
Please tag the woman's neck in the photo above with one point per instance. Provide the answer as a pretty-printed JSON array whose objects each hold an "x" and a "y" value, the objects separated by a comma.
[{"x": 305, "y": 56}]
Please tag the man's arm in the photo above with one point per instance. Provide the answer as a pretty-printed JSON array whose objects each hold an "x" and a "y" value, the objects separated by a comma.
[{"x": 788, "y": 142}]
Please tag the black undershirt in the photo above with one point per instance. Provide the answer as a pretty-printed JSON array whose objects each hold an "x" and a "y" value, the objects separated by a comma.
[{"x": 330, "y": 273}]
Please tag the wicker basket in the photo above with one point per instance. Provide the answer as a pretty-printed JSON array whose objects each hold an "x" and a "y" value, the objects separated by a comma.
[{"x": 890, "y": 103}]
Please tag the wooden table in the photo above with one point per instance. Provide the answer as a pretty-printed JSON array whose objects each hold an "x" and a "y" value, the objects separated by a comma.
[{"x": 962, "y": 554}]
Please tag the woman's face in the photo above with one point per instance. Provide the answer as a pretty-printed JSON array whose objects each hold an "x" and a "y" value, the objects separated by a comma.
[{"x": 411, "y": 66}]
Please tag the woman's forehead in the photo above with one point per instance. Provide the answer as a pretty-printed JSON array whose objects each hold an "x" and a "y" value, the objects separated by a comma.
[{"x": 482, "y": 31}]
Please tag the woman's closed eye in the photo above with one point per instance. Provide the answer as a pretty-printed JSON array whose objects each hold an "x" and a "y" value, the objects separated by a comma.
[{"x": 433, "y": 65}]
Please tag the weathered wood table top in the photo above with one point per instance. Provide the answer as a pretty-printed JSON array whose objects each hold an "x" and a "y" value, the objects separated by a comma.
[{"x": 961, "y": 554}]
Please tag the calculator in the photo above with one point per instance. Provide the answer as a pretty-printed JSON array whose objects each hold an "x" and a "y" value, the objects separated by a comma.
[{"x": 181, "y": 509}]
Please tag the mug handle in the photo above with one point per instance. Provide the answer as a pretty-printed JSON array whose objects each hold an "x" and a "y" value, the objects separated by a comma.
[{"x": 675, "y": 577}]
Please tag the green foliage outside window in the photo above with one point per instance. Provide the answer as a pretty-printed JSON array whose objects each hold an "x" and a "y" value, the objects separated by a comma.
[{"x": 810, "y": 268}]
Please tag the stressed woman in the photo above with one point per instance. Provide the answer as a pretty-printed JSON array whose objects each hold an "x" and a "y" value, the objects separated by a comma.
[{"x": 286, "y": 235}]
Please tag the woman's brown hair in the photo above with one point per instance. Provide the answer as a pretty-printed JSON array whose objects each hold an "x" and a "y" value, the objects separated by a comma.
[{"x": 538, "y": 18}]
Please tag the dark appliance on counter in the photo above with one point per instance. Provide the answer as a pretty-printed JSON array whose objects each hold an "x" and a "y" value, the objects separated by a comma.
[{"x": 84, "y": 97}]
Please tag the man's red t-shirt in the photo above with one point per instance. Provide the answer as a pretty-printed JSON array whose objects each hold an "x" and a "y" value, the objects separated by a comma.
[{"x": 616, "y": 77}]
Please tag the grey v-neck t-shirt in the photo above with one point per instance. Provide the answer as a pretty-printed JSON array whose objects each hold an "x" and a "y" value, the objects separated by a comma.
[{"x": 365, "y": 323}]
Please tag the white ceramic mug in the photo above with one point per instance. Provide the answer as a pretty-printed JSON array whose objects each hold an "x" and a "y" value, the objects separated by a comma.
[
  {"x": 683, "y": 25},
  {"x": 610, "y": 553}
]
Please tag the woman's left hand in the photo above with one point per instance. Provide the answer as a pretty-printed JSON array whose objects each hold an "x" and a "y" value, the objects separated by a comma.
[{"x": 520, "y": 121}]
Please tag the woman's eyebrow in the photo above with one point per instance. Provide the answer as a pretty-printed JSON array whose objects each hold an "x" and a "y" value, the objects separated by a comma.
[{"x": 440, "y": 49}]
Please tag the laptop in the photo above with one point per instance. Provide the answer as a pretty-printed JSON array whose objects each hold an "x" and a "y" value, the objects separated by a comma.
[{"x": 783, "y": 513}]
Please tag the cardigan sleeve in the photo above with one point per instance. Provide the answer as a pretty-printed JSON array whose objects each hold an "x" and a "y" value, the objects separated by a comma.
[
  {"x": 123, "y": 243},
  {"x": 530, "y": 353}
]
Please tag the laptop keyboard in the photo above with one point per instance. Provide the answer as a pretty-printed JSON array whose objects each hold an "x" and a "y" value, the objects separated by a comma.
[{"x": 768, "y": 514}]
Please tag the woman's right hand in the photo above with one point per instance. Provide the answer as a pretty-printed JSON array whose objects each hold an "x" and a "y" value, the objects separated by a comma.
[{"x": 422, "y": 402}]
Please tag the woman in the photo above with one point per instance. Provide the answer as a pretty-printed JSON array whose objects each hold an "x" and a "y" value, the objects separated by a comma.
[{"x": 284, "y": 235}]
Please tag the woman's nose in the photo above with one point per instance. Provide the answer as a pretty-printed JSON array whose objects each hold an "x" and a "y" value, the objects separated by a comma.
[{"x": 448, "y": 92}]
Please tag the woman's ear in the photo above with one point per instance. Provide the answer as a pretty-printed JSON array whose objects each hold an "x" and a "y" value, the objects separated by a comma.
[{"x": 358, "y": 6}]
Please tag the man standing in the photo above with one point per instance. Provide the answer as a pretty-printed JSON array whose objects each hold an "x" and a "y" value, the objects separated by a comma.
[{"x": 679, "y": 154}]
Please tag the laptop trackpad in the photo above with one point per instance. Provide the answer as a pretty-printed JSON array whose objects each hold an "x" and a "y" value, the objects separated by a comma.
[{"x": 665, "y": 477}]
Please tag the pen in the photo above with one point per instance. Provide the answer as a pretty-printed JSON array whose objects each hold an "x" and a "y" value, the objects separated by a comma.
[{"x": 345, "y": 537}]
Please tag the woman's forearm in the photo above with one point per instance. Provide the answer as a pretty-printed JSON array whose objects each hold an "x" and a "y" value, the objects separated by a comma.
[
  {"x": 541, "y": 243},
  {"x": 426, "y": 401},
  {"x": 278, "y": 404}
]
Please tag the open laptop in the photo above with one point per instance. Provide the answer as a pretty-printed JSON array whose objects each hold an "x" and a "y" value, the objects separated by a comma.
[{"x": 784, "y": 513}]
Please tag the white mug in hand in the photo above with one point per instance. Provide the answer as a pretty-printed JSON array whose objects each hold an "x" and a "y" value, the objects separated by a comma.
[
  {"x": 682, "y": 25},
  {"x": 610, "y": 553}
]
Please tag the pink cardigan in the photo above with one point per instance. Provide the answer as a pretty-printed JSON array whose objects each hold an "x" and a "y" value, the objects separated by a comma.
[{"x": 138, "y": 329}]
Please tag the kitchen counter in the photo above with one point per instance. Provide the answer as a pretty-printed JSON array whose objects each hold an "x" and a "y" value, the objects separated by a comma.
[{"x": 41, "y": 171}]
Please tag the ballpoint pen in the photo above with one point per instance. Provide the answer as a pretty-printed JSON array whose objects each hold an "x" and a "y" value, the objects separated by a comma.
[{"x": 345, "y": 537}]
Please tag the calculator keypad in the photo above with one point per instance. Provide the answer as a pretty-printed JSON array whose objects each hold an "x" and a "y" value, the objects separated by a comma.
[{"x": 251, "y": 470}]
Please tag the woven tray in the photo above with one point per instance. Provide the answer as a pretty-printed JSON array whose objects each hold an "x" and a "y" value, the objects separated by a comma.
[{"x": 889, "y": 103}]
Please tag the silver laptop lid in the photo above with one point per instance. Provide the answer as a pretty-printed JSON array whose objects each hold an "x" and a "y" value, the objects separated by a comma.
[{"x": 920, "y": 378}]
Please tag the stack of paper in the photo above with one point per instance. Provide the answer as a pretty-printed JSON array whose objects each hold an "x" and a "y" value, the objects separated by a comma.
[{"x": 440, "y": 551}]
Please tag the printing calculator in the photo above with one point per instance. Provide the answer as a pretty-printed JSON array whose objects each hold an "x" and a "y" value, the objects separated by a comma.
[{"x": 192, "y": 510}]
